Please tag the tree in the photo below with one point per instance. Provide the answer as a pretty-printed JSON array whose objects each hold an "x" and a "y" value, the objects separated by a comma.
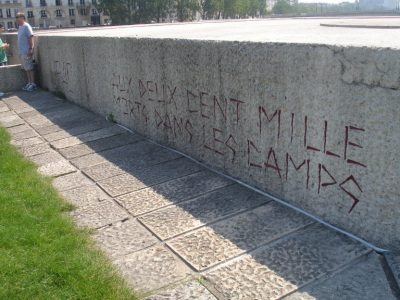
[
  {"x": 282, "y": 7},
  {"x": 134, "y": 11},
  {"x": 186, "y": 9}
]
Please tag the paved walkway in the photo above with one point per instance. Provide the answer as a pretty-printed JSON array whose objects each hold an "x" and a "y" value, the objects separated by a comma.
[{"x": 177, "y": 230}]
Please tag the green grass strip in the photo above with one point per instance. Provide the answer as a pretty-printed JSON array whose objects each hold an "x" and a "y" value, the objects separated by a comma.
[{"x": 42, "y": 254}]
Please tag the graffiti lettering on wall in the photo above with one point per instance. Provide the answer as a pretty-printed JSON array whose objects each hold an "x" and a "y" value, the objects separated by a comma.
[
  {"x": 200, "y": 117},
  {"x": 62, "y": 70}
]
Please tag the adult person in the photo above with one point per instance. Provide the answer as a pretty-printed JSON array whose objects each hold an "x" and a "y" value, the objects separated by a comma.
[
  {"x": 3, "y": 47},
  {"x": 26, "y": 43}
]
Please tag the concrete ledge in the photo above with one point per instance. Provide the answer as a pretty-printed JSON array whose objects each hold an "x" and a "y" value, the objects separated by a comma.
[{"x": 12, "y": 78}]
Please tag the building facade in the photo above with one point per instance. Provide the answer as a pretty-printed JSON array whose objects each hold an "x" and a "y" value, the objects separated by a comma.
[{"x": 52, "y": 13}]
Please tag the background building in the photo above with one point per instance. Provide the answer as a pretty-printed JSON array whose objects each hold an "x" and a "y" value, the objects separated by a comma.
[{"x": 52, "y": 13}]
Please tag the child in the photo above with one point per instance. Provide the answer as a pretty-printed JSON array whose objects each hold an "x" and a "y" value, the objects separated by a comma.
[{"x": 3, "y": 46}]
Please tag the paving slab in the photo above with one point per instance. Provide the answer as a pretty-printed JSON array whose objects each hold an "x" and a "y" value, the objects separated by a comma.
[
  {"x": 122, "y": 238},
  {"x": 140, "y": 154},
  {"x": 229, "y": 238},
  {"x": 187, "y": 291},
  {"x": 98, "y": 214},
  {"x": 149, "y": 174},
  {"x": 120, "y": 155},
  {"x": 57, "y": 168},
  {"x": 47, "y": 157},
  {"x": 172, "y": 192},
  {"x": 130, "y": 181},
  {"x": 51, "y": 108},
  {"x": 21, "y": 102},
  {"x": 285, "y": 266},
  {"x": 42, "y": 121},
  {"x": 39, "y": 121},
  {"x": 35, "y": 149},
  {"x": 29, "y": 141},
  {"x": 71, "y": 181},
  {"x": 20, "y": 128},
  {"x": 88, "y": 160},
  {"x": 30, "y": 133},
  {"x": 100, "y": 145},
  {"x": 72, "y": 126},
  {"x": 88, "y": 136},
  {"x": 11, "y": 121},
  {"x": 61, "y": 111},
  {"x": 177, "y": 219},
  {"x": 84, "y": 195},
  {"x": 361, "y": 280},
  {"x": 8, "y": 113},
  {"x": 152, "y": 268}
]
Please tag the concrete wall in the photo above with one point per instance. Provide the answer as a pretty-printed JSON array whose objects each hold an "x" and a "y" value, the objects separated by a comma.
[{"x": 316, "y": 126}]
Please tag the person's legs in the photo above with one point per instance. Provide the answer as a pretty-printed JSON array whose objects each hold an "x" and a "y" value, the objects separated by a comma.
[
  {"x": 27, "y": 64},
  {"x": 31, "y": 76}
]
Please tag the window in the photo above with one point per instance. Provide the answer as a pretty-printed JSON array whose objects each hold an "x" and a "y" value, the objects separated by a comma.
[
  {"x": 94, "y": 2},
  {"x": 1, "y": 13},
  {"x": 70, "y": 2},
  {"x": 28, "y": 3},
  {"x": 83, "y": 12},
  {"x": 58, "y": 3},
  {"x": 58, "y": 13},
  {"x": 43, "y": 3},
  {"x": 72, "y": 22},
  {"x": 94, "y": 12},
  {"x": 30, "y": 14},
  {"x": 82, "y": 2},
  {"x": 8, "y": 13},
  {"x": 72, "y": 12},
  {"x": 43, "y": 14},
  {"x": 10, "y": 25}
]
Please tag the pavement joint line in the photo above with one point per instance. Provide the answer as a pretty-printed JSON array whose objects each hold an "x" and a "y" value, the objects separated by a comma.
[
  {"x": 389, "y": 275},
  {"x": 255, "y": 249},
  {"x": 246, "y": 252},
  {"x": 216, "y": 221},
  {"x": 176, "y": 203}
]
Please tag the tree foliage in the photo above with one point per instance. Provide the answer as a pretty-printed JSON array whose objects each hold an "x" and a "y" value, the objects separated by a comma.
[
  {"x": 282, "y": 7},
  {"x": 146, "y": 11}
]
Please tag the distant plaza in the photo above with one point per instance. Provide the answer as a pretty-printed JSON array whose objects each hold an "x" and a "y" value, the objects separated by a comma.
[{"x": 80, "y": 13}]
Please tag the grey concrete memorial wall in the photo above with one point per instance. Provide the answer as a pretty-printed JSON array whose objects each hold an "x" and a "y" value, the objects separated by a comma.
[{"x": 313, "y": 124}]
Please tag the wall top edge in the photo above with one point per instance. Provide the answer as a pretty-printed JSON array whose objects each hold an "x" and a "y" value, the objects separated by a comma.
[{"x": 370, "y": 32}]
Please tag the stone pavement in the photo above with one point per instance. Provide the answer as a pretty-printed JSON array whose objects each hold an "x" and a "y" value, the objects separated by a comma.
[{"x": 176, "y": 230}]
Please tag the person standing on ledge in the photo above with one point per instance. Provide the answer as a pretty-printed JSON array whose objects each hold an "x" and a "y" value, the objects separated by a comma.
[{"x": 26, "y": 43}]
